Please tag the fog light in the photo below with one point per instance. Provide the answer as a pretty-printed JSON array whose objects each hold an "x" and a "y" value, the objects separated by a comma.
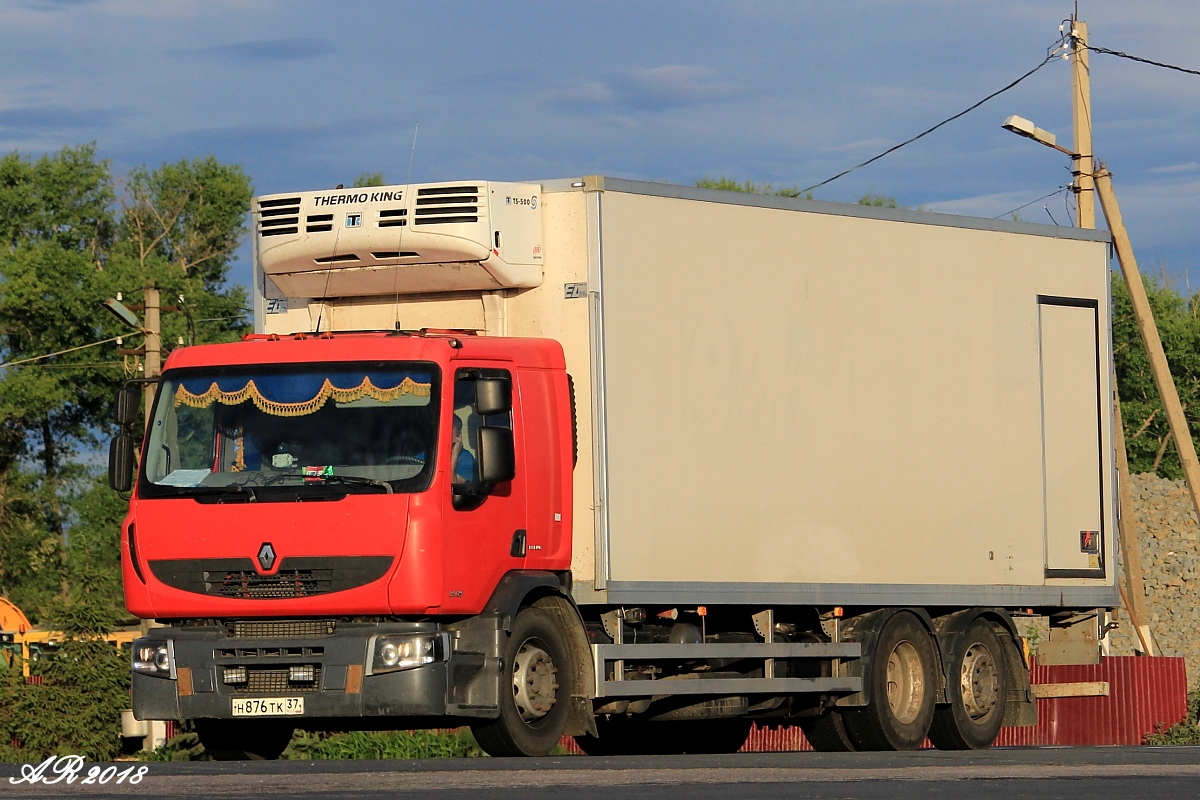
[
  {"x": 235, "y": 675},
  {"x": 302, "y": 674}
]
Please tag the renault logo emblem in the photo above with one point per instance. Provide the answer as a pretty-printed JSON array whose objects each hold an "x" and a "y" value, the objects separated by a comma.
[{"x": 266, "y": 556}]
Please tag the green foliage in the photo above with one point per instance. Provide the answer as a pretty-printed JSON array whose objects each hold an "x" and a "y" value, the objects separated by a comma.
[
  {"x": 184, "y": 746},
  {"x": 64, "y": 198},
  {"x": 192, "y": 214},
  {"x": 386, "y": 744},
  {"x": 66, "y": 249},
  {"x": 77, "y": 710},
  {"x": 368, "y": 179},
  {"x": 750, "y": 187},
  {"x": 32, "y": 568},
  {"x": 354, "y": 745},
  {"x": 65, "y": 246},
  {"x": 878, "y": 200},
  {"x": 1147, "y": 435},
  {"x": 1185, "y": 732}
]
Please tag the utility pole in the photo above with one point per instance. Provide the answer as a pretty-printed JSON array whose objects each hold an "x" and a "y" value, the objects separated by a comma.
[
  {"x": 1084, "y": 187},
  {"x": 153, "y": 333},
  {"x": 1081, "y": 115}
]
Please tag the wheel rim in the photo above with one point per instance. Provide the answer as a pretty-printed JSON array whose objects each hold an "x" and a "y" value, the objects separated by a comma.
[
  {"x": 535, "y": 687},
  {"x": 905, "y": 683},
  {"x": 980, "y": 682}
]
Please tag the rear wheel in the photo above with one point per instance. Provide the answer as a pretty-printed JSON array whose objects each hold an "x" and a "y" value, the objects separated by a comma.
[
  {"x": 243, "y": 740},
  {"x": 902, "y": 687},
  {"x": 979, "y": 684},
  {"x": 534, "y": 690}
]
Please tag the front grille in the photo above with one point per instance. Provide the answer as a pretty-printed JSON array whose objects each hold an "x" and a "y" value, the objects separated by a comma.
[
  {"x": 279, "y": 629},
  {"x": 274, "y": 680},
  {"x": 447, "y": 204},
  {"x": 269, "y": 652},
  {"x": 286, "y": 583},
  {"x": 278, "y": 217},
  {"x": 297, "y": 577}
]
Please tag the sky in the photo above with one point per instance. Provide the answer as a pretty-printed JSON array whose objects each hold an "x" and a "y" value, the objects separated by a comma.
[{"x": 306, "y": 95}]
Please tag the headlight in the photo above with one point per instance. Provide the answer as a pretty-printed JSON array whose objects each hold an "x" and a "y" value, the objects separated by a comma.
[
  {"x": 154, "y": 658},
  {"x": 406, "y": 651}
]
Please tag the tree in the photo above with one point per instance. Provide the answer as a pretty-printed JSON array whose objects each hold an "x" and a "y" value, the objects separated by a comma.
[
  {"x": 191, "y": 213},
  {"x": 1147, "y": 435},
  {"x": 67, "y": 247},
  {"x": 878, "y": 201},
  {"x": 368, "y": 179},
  {"x": 750, "y": 187}
]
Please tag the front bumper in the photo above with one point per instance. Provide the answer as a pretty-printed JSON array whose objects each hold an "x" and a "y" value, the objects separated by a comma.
[{"x": 462, "y": 682}]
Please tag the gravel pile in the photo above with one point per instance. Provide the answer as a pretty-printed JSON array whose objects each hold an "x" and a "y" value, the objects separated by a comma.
[{"x": 1169, "y": 540}]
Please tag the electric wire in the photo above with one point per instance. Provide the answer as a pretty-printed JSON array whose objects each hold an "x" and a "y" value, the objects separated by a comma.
[
  {"x": 1139, "y": 59},
  {"x": 1010, "y": 212},
  {"x": 61, "y": 352},
  {"x": 1051, "y": 56},
  {"x": 86, "y": 365}
]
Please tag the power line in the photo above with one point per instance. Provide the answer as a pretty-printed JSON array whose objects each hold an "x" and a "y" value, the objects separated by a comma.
[
  {"x": 74, "y": 366},
  {"x": 1050, "y": 57},
  {"x": 61, "y": 352},
  {"x": 1031, "y": 202},
  {"x": 1119, "y": 54}
]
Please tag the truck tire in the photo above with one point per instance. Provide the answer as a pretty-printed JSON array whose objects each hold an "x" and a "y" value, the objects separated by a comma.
[
  {"x": 827, "y": 733},
  {"x": 979, "y": 686},
  {"x": 901, "y": 677},
  {"x": 535, "y": 686},
  {"x": 243, "y": 740}
]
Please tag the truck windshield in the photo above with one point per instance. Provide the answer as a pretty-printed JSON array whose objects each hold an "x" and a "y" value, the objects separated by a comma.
[{"x": 273, "y": 432}]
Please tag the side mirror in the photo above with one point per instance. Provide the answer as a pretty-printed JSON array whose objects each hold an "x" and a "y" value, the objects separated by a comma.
[
  {"x": 492, "y": 396},
  {"x": 128, "y": 398},
  {"x": 120, "y": 463},
  {"x": 497, "y": 459}
]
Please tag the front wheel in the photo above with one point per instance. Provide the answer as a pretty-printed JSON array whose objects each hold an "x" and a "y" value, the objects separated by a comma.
[
  {"x": 979, "y": 681},
  {"x": 535, "y": 688}
]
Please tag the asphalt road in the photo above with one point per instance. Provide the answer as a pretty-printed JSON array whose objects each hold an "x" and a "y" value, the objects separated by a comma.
[{"x": 1133, "y": 773}]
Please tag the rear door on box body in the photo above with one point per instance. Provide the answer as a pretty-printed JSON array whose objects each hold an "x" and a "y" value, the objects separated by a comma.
[{"x": 1071, "y": 437}]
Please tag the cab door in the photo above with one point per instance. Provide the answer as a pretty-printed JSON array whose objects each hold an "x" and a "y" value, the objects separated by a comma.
[{"x": 484, "y": 525}]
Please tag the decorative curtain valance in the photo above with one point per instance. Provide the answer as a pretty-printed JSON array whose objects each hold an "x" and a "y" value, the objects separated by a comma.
[{"x": 295, "y": 395}]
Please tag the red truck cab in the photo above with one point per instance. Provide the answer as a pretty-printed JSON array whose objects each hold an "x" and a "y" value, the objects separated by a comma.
[{"x": 364, "y": 487}]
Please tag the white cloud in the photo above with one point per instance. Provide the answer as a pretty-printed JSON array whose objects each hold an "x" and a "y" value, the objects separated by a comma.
[
  {"x": 649, "y": 89},
  {"x": 1190, "y": 166}
]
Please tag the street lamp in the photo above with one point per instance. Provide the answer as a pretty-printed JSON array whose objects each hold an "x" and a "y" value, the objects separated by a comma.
[
  {"x": 1023, "y": 127},
  {"x": 121, "y": 312}
]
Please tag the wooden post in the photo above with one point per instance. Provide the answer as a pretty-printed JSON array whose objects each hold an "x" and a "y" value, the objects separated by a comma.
[
  {"x": 1134, "y": 592},
  {"x": 153, "y": 332},
  {"x": 1081, "y": 113},
  {"x": 1180, "y": 431}
]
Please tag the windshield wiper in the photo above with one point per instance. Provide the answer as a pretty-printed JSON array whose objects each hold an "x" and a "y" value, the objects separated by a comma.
[
  {"x": 233, "y": 488},
  {"x": 356, "y": 480}
]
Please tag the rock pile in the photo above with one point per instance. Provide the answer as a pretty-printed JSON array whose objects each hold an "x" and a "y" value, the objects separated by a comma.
[{"x": 1169, "y": 540}]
